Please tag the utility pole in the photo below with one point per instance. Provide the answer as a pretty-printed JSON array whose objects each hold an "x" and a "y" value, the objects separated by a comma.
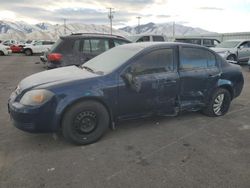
[
  {"x": 64, "y": 24},
  {"x": 111, "y": 16},
  {"x": 173, "y": 30},
  {"x": 138, "y": 30}
]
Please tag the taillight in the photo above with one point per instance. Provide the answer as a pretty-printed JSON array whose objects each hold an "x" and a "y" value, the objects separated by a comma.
[{"x": 55, "y": 57}]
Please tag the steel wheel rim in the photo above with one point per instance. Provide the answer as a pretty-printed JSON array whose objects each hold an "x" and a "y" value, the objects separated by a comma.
[
  {"x": 218, "y": 103},
  {"x": 85, "y": 122}
]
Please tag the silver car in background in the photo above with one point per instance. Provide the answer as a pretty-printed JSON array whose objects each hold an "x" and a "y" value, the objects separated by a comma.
[{"x": 234, "y": 50}]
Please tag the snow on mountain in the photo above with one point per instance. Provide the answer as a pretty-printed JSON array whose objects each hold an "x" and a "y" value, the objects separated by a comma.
[
  {"x": 45, "y": 31},
  {"x": 44, "y": 26},
  {"x": 164, "y": 29}
]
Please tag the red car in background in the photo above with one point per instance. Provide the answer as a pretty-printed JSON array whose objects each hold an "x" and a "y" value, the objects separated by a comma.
[{"x": 16, "y": 48}]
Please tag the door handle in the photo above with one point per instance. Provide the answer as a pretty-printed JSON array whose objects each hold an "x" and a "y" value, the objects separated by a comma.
[
  {"x": 213, "y": 75},
  {"x": 169, "y": 81}
]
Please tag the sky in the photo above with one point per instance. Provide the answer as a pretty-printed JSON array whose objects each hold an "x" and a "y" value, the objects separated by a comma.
[{"x": 221, "y": 16}]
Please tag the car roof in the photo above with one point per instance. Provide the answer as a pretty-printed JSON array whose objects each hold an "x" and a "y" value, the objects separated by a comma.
[
  {"x": 211, "y": 38},
  {"x": 96, "y": 35},
  {"x": 148, "y": 45},
  {"x": 237, "y": 40}
]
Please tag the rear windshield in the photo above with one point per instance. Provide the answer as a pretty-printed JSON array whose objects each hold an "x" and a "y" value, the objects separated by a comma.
[
  {"x": 228, "y": 44},
  {"x": 56, "y": 44}
]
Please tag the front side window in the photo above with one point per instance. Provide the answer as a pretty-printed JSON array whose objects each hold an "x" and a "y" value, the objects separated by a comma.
[
  {"x": 208, "y": 42},
  {"x": 158, "y": 38},
  {"x": 195, "y": 58},
  {"x": 155, "y": 62},
  {"x": 245, "y": 45},
  {"x": 144, "y": 39}
]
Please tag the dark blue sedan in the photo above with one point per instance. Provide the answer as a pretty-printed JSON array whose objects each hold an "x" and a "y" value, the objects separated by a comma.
[{"x": 129, "y": 81}]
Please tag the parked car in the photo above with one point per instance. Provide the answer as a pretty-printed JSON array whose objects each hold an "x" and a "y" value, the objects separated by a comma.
[
  {"x": 9, "y": 42},
  {"x": 37, "y": 47},
  {"x": 78, "y": 48},
  {"x": 234, "y": 50},
  {"x": 208, "y": 42},
  {"x": 16, "y": 48},
  {"x": 147, "y": 38},
  {"x": 5, "y": 50},
  {"x": 128, "y": 81}
]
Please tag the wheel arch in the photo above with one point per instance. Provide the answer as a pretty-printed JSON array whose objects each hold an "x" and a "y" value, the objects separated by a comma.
[
  {"x": 95, "y": 99},
  {"x": 233, "y": 54},
  {"x": 229, "y": 88},
  {"x": 28, "y": 49}
]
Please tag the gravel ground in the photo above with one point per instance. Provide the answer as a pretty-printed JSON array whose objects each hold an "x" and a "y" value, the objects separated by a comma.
[{"x": 190, "y": 150}]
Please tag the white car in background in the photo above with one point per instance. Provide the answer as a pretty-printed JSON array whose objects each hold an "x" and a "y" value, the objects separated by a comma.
[
  {"x": 9, "y": 42},
  {"x": 37, "y": 47},
  {"x": 5, "y": 50},
  {"x": 147, "y": 38}
]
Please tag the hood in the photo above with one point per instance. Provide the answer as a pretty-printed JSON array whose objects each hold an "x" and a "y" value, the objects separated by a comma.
[
  {"x": 64, "y": 74},
  {"x": 218, "y": 50}
]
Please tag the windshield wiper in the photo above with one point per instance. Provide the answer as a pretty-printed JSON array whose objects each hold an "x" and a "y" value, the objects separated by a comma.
[
  {"x": 88, "y": 69},
  {"x": 91, "y": 70}
]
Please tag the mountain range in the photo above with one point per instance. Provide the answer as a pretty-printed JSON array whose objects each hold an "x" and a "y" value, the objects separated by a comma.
[{"x": 45, "y": 31}]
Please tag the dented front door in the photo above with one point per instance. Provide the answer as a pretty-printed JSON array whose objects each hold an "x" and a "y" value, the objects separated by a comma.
[{"x": 153, "y": 86}]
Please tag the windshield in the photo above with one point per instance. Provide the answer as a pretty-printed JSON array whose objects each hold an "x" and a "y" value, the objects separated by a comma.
[
  {"x": 111, "y": 59},
  {"x": 228, "y": 44}
]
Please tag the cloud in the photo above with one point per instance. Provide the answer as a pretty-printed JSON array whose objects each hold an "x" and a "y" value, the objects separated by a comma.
[
  {"x": 211, "y": 8},
  {"x": 164, "y": 16}
]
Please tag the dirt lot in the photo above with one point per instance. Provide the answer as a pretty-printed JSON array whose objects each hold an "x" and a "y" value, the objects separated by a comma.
[{"x": 190, "y": 150}]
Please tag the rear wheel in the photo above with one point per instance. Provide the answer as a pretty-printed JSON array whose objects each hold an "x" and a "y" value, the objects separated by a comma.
[
  {"x": 28, "y": 52},
  {"x": 1, "y": 53},
  {"x": 85, "y": 122},
  {"x": 219, "y": 103}
]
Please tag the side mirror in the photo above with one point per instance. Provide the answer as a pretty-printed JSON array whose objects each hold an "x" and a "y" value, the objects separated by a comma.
[{"x": 128, "y": 78}]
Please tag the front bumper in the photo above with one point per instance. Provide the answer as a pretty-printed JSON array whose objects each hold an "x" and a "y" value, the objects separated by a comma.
[{"x": 32, "y": 119}]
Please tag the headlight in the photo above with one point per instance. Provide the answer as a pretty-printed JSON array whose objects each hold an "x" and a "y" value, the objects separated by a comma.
[{"x": 36, "y": 97}]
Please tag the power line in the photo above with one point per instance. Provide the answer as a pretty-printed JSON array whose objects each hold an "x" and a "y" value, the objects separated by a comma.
[{"x": 111, "y": 17}]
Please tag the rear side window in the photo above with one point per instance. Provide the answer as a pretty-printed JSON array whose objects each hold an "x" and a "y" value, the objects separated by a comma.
[
  {"x": 155, "y": 62},
  {"x": 195, "y": 58},
  {"x": 158, "y": 38}
]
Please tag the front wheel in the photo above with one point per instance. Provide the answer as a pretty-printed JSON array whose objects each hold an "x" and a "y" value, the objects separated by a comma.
[
  {"x": 85, "y": 122},
  {"x": 231, "y": 58},
  {"x": 219, "y": 103},
  {"x": 1, "y": 53}
]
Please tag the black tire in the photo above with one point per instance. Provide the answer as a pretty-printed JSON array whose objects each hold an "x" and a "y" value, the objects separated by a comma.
[
  {"x": 28, "y": 52},
  {"x": 85, "y": 122},
  {"x": 215, "y": 108},
  {"x": 1, "y": 53},
  {"x": 232, "y": 58}
]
